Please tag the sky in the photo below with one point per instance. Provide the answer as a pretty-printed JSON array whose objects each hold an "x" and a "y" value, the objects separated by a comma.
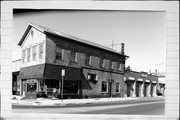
[{"x": 143, "y": 33}]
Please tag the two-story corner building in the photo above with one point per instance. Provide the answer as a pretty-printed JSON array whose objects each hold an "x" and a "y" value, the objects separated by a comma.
[
  {"x": 141, "y": 84},
  {"x": 91, "y": 70}
]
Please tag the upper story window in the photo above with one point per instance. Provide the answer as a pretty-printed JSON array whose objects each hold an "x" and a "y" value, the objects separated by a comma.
[
  {"x": 88, "y": 60},
  {"x": 73, "y": 57},
  {"x": 92, "y": 77},
  {"x": 34, "y": 52},
  {"x": 59, "y": 53},
  {"x": 28, "y": 54},
  {"x": 104, "y": 87},
  {"x": 114, "y": 65},
  {"x": 118, "y": 87},
  {"x": 41, "y": 50},
  {"x": 106, "y": 63},
  {"x": 101, "y": 63},
  {"x": 121, "y": 67},
  {"x": 23, "y": 55}
]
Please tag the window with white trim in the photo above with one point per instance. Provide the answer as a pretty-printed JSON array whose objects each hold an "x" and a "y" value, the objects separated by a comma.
[
  {"x": 28, "y": 54},
  {"x": 23, "y": 55},
  {"x": 118, "y": 87},
  {"x": 104, "y": 87},
  {"x": 34, "y": 52},
  {"x": 41, "y": 50}
]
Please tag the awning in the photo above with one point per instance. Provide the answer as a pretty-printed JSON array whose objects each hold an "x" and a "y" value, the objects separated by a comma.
[
  {"x": 35, "y": 71},
  {"x": 54, "y": 72},
  {"x": 49, "y": 71}
]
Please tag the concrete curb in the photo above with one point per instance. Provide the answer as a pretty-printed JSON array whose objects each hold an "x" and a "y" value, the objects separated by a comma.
[{"x": 49, "y": 102}]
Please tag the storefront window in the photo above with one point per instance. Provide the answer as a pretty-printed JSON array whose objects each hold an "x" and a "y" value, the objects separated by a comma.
[
  {"x": 71, "y": 88},
  {"x": 42, "y": 85},
  {"x": 31, "y": 87}
]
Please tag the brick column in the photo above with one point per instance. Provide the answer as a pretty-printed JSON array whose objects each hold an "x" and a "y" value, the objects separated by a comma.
[
  {"x": 142, "y": 90},
  {"x": 155, "y": 91},
  {"x": 134, "y": 87},
  {"x": 149, "y": 90}
]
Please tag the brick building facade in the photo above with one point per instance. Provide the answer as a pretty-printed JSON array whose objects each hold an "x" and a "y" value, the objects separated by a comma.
[{"x": 91, "y": 70}]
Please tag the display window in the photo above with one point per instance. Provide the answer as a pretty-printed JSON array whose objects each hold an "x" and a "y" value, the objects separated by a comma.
[{"x": 31, "y": 86}]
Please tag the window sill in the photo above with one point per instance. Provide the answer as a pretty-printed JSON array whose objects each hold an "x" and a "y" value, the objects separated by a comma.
[{"x": 104, "y": 92}]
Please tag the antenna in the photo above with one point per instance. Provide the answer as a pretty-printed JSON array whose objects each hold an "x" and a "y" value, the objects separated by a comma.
[{"x": 112, "y": 45}]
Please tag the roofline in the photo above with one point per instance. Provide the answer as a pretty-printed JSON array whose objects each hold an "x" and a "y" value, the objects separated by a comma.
[
  {"x": 48, "y": 33},
  {"x": 29, "y": 26},
  {"x": 76, "y": 39},
  {"x": 144, "y": 72}
]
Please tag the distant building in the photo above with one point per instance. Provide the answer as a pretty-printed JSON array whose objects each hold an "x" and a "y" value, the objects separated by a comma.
[
  {"x": 91, "y": 70},
  {"x": 140, "y": 84}
]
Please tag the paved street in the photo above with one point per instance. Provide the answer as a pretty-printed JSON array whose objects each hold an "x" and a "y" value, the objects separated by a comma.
[{"x": 155, "y": 107}]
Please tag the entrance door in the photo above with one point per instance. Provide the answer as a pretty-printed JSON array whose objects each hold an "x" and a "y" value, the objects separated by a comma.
[
  {"x": 128, "y": 90},
  {"x": 110, "y": 89},
  {"x": 137, "y": 90},
  {"x": 31, "y": 88},
  {"x": 145, "y": 90}
]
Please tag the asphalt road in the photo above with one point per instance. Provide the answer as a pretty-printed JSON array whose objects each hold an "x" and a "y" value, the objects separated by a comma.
[{"x": 136, "y": 108}]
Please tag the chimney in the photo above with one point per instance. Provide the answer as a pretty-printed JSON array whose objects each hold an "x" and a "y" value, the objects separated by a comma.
[
  {"x": 150, "y": 72},
  {"x": 156, "y": 72},
  {"x": 122, "y": 48}
]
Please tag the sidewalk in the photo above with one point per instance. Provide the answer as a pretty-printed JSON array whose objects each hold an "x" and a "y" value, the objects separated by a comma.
[{"x": 59, "y": 102}]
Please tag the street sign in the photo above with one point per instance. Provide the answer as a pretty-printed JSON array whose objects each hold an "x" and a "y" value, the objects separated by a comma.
[{"x": 63, "y": 72}]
